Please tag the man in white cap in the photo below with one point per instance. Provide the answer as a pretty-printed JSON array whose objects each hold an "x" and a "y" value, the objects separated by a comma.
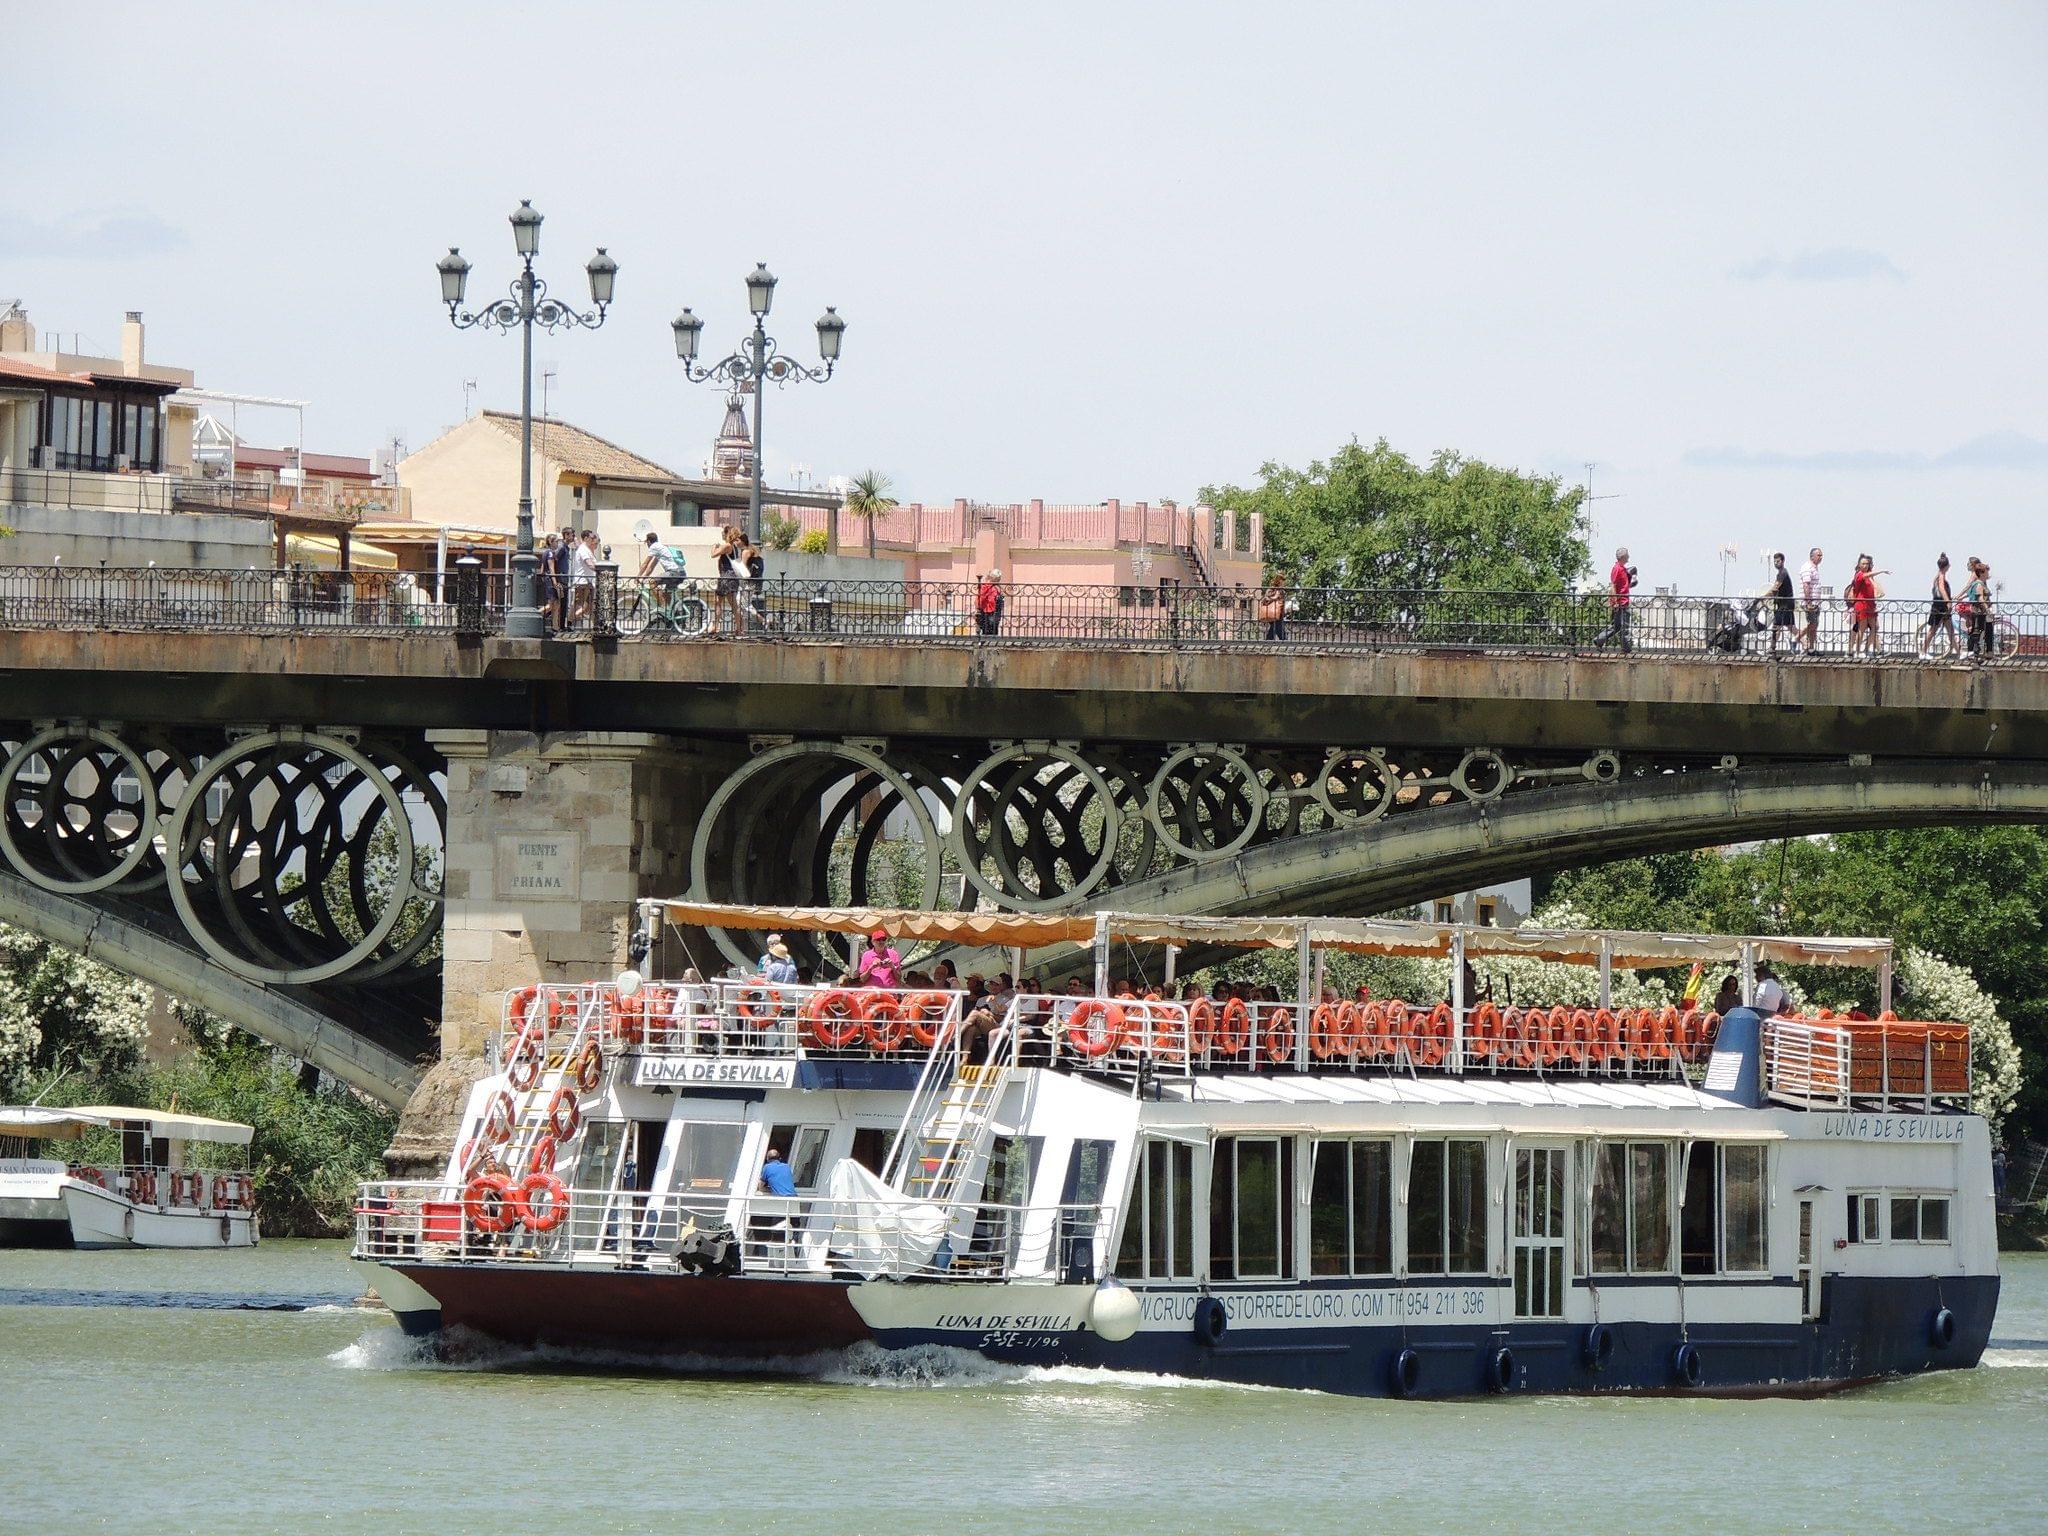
[{"x": 778, "y": 965}]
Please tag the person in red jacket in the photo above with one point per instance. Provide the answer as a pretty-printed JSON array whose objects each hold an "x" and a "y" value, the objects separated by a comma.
[
  {"x": 988, "y": 604},
  {"x": 1620, "y": 580},
  {"x": 1862, "y": 600}
]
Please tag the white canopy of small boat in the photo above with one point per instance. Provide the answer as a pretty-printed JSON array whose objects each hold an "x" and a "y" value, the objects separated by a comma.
[{"x": 68, "y": 1124}]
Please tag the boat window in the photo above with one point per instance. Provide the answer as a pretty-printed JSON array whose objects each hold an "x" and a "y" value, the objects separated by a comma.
[
  {"x": 1649, "y": 1206},
  {"x": 1248, "y": 1207},
  {"x": 1012, "y": 1170},
  {"x": 1699, "y": 1235},
  {"x": 1742, "y": 1209},
  {"x": 803, "y": 1148},
  {"x": 1159, "y": 1229},
  {"x": 1866, "y": 1217},
  {"x": 598, "y": 1161},
  {"x": 1087, "y": 1172},
  {"x": 1447, "y": 1207},
  {"x": 1905, "y": 1219},
  {"x": 1934, "y": 1219},
  {"x": 1351, "y": 1208},
  {"x": 1631, "y": 1226},
  {"x": 707, "y": 1151},
  {"x": 871, "y": 1147}
]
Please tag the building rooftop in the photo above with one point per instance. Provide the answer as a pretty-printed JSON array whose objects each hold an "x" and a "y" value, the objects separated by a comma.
[{"x": 585, "y": 453}]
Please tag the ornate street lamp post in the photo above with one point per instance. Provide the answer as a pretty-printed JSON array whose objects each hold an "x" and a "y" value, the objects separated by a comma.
[
  {"x": 529, "y": 305},
  {"x": 757, "y": 360}
]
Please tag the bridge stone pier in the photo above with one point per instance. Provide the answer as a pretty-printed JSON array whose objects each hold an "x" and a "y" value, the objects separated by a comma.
[{"x": 551, "y": 838}]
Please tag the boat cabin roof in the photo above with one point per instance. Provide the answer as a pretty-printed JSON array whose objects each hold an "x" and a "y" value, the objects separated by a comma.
[
  {"x": 72, "y": 1122},
  {"x": 1377, "y": 936}
]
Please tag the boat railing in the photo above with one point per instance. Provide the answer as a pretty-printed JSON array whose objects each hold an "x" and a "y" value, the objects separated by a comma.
[
  {"x": 1893, "y": 1063},
  {"x": 745, "y": 1018},
  {"x": 798, "y": 1236},
  {"x": 1207, "y": 1035},
  {"x": 170, "y": 1189}
]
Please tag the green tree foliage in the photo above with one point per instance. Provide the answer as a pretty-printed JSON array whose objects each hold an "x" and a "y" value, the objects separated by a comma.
[
  {"x": 813, "y": 541},
  {"x": 1372, "y": 517},
  {"x": 61, "y": 1013},
  {"x": 779, "y": 532},
  {"x": 1975, "y": 897},
  {"x": 868, "y": 498}
]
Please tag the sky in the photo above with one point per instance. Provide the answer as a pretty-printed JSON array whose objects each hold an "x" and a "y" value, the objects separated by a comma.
[{"x": 1775, "y": 270}]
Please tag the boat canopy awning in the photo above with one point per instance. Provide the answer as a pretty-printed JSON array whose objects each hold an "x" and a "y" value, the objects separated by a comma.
[
  {"x": 45, "y": 1124},
  {"x": 166, "y": 1123},
  {"x": 1374, "y": 936}
]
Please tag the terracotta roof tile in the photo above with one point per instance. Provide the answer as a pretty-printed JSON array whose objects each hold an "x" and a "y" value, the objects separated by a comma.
[{"x": 583, "y": 453}]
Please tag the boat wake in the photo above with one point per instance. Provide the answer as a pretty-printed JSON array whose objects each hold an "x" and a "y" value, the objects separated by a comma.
[{"x": 924, "y": 1366}]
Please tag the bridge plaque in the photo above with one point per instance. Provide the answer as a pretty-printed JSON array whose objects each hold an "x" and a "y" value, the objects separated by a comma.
[{"x": 538, "y": 866}]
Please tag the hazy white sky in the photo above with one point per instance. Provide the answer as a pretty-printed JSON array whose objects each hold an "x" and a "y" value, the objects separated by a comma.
[{"x": 1778, "y": 268}]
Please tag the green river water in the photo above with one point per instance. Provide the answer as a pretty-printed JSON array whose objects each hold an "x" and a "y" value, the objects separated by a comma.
[{"x": 242, "y": 1392}]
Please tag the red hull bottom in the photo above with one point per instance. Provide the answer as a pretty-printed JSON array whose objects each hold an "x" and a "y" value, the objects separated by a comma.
[{"x": 726, "y": 1315}]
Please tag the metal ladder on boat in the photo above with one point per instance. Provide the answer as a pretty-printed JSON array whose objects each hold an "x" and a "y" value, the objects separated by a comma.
[{"x": 948, "y": 1128}]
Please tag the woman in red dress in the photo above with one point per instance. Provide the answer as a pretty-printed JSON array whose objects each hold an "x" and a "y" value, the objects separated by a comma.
[{"x": 1862, "y": 596}]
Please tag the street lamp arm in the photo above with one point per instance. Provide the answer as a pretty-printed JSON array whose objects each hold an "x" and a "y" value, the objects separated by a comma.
[
  {"x": 740, "y": 367},
  {"x": 548, "y": 313}
]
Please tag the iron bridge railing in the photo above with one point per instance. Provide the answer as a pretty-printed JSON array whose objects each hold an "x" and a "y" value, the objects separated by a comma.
[{"x": 784, "y": 609}]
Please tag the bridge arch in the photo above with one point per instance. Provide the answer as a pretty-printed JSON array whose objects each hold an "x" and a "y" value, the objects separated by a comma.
[
  {"x": 381, "y": 1067},
  {"x": 1439, "y": 849}
]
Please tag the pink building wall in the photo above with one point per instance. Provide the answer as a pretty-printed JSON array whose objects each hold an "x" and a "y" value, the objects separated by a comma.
[{"x": 1039, "y": 543}]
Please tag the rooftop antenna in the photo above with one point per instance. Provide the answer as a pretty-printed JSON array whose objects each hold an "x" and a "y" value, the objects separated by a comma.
[
  {"x": 468, "y": 391},
  {"x": 1590, "y": 497},
  {"x": 1730, "y": 553}
]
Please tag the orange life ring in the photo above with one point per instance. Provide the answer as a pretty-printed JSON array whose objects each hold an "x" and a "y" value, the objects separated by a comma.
[
  {"x": 499, "y": 1117},
  {"x": 881, "y": 1016},
  {"x": 1326, "y": 1031},
  {"x": 529, "y": 1055},
  {"x": 1089, "y": 1041},
  {"x": 589, "y": 1067},
  {"x": 490, "y": 1202},
  {"x": 519, "y": 1007},
  {"x": 1485, "y": 1030},
  {"x": 1583, "y": 1038},
  {"x": 1164, "y": 1028},
  {"x": 1201, "y": 1024},
  {"x": 1234, "y": 1029},
  {"x": 553, "y": 1198},
  {"x": 1348, "y": 1025},
  {"x": 186, "y": 1187},
  {"x": 924, "y": 1014},
  {"x": 1710, "y": 1026},
  {"x": 564, "y": 1113},
  {"x": 832, "y": 1020},
  {"x": 542, "y": 1158},
  {"x": 142, "y": 1187},
  {"x": 1664, "y": 1040},
  {"x": 759, "y": 1005},
  {"x": 1392, "y": 1038},
  {"x": 1276, "y": 1033},
  {"x": 1557, "y": 1036},
  {"x": 1518, "y": 1032}
]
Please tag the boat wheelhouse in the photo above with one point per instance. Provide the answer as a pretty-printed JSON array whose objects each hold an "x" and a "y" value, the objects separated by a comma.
[
  {"x": 1441, "y": 1197},
  {"x": 171, "y": 1181}
]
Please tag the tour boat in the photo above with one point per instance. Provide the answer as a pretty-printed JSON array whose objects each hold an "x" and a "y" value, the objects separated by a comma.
[
  {"x": 1425, "y": 1198},
  {"x": 157, "y": 1194}
]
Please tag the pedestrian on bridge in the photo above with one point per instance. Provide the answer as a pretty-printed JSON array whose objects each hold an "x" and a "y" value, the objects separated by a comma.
[
  {"x": 1941, "y": 607},
  {"x": 1620, "y": 582},
  {"x": 988, "y": 604},
  {"x": 1809, "y": 600},
  {"x": 1861, "y": 599},
  {"x": 1781, "y": 604}
]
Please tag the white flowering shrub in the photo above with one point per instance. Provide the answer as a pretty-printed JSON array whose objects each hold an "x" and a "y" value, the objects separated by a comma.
[
  {"x": 58, "y": 1008},
  {"x": 1929, "y": 987}
]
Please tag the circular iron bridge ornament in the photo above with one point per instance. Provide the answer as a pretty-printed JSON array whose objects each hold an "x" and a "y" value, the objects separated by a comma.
[
  {"x": 269, "y": 789},
  {"x": 1025, "y": 800},
  {"x": 75, "y": 843},
  {"x": 1215, "y": 779}
]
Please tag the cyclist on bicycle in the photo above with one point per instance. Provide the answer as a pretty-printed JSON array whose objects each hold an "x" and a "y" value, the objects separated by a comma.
[{"x": 665, "y": 564}]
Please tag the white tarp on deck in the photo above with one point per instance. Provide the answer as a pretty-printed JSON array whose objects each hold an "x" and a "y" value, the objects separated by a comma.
[{"x": 875, "y": 1229}]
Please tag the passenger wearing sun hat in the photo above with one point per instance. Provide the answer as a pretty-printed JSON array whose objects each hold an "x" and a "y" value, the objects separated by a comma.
[
  {"x": 778, "y": 965},
  {"x": 880, "y": 965}
]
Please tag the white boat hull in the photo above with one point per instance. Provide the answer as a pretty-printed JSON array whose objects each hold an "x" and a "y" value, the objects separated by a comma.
[{"x": 102, "y": 1220}]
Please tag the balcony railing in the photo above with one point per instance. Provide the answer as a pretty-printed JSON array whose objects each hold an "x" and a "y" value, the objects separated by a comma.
[{"x": 83, "y": 488}]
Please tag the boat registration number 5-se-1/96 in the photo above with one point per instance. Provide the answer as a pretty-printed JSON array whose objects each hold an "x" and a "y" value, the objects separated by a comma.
[{"x": 1283, "y": 1309}]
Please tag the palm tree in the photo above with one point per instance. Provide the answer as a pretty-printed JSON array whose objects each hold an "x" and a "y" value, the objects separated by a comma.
[{"x": 868, "y": 498}]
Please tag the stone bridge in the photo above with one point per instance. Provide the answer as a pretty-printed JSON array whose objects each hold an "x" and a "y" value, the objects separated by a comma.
[{"x": 372, "y": 834}]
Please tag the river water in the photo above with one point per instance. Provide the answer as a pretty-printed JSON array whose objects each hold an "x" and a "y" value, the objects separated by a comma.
[{"x": 243, "y": 1392}]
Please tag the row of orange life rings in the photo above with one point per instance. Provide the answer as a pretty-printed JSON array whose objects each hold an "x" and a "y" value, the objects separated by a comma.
[{"x": 886, "y": 1021}]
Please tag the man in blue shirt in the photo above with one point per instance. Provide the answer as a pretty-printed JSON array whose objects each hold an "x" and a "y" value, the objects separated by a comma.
[
  {"x": 778, "y": 965},
  {"x": 776, "y": 1178}
]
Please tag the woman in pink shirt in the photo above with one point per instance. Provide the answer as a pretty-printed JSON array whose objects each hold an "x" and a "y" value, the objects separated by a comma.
[{"x": 880, "y": 965}]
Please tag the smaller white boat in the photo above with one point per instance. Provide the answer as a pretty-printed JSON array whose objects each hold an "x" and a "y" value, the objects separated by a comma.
[{"x": 159, "y": 1194}]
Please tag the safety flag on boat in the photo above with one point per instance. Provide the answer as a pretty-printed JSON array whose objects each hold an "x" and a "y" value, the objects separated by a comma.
[{"x": 1691, "y": 999}]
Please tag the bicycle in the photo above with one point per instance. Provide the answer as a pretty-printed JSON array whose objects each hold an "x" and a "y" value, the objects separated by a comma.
[{"x": 683, "y": 612}]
